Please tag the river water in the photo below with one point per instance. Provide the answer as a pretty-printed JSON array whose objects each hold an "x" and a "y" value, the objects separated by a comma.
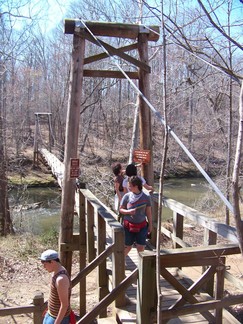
[{"x": 37, "y": 210}]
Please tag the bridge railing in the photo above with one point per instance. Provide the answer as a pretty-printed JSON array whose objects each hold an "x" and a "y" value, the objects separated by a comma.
[
  {"x": 210, "y": 256},
  {"x": 96, "y": 218},
  {"x": 101, "y": 237},
  {"x": 193, "y": 296},
  {"x": 213, "y": 229},
  {"x": 36, "y": 309}
]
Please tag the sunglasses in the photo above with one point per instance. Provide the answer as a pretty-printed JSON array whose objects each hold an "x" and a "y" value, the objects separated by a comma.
[{"x": 42, "y": 261}]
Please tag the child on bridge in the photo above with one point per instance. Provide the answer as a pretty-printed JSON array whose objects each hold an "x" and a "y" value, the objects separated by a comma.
[{"x": 137, "y": 220}]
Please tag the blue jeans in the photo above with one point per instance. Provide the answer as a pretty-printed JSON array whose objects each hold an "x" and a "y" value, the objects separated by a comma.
[{"x": 48, "y": 319}]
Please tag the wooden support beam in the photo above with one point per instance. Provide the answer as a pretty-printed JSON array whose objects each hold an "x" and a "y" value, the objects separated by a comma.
[
  {"x": 209, "y": 239},
  {"x": 82, "y": 253},
  {"x": 89, "y": 317},
  {"x": 71, "y": 247},
  {"x": 202, "y": 306},
  {"x": 118, "y": 262},
  {"x": 101, "y": 56},
  {"x": 39, "y": 304},
  {"x": 92, "y": 265},
  {"x": 196, "y": 286},
  {"x": 71, "y": 148},
  {"x": 187, "y": 295},
  {"x": 115, "y": 51},
  {"x": 219, "y": 294},
  {"x": 119, "y": 30},
  {"x": 177, "y": 227},
  {"x": 103, "y": 287},
  {"x": 178, "y": 261},
  {"x": 146, "y": 293},
  {"x": 144, "y": 111},
  {"x": 201, "y": 251},
  {"x": 91, "y": 250},
  {"x": 109, "y": 74}
]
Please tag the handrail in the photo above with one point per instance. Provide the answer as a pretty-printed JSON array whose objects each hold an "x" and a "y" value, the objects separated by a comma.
[
  {"x": 37, "y": 309},
  {"x": 225, "y": 231},
  {"x": 109, "y": 298},
  {"x": 97, "y": 219},
  {"x": 91, "y": 266},
  {"x": 17, "y": 310}
]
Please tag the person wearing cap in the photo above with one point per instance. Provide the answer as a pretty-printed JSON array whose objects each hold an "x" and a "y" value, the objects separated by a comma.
[{"x": 59, "y": 309}]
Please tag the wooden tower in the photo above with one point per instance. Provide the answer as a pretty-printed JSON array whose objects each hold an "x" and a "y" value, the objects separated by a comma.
[{"x": 89, "y": 31}]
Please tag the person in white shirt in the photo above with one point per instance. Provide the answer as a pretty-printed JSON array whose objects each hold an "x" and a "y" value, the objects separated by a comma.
[{"x": 131, "y": 170}]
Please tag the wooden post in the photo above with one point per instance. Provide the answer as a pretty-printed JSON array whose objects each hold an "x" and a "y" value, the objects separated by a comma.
[
  {"x": 38, "y": 301},
  {"x": 118, "y": 262},
  {"x": 71, "y": 147},
  {"x": 144, "y": 111},
  {"x": 219, "y": 294},
  {"x": 210, "y": 238},
  {"x": 146, "y": 294},
  {"x": 91, "y": 251},
  {"x": 102, "y": 274},
  {"x": 177, "y": 227},
  {"x": 82, "y": 253}
]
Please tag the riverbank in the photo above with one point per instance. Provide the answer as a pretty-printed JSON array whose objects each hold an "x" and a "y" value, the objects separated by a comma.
[
  {"x": 30, "y": 176},
  {"x": 25, "y": 174}
]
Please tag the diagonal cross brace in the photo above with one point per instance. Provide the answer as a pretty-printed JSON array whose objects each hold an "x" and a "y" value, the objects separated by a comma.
[
  {"x": 114, "y": 51},
  {"x": 184, "y": 292}
]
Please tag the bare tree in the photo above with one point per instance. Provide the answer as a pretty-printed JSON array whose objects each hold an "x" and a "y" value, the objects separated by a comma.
[
  {"x": 5, "y": 221},
  {"x": 235, "y": 180}
]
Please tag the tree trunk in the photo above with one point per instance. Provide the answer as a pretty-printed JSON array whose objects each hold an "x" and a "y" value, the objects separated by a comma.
[
  {"x": 235, "y": 181},
  {"x": 5, "y": 220}
]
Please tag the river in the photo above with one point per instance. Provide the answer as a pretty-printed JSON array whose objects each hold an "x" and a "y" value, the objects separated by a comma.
[{"x": 37, "y": 210}]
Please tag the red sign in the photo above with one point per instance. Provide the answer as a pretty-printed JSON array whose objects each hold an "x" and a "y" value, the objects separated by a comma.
[
  {"x": 74, "y": 168},
  {"x": 141, "y": 156}
]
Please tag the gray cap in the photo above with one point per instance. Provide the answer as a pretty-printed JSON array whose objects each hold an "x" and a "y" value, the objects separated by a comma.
[{"x": 49, "y": 255}]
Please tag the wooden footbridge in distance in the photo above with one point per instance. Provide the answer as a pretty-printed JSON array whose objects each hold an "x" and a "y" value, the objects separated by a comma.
[{"x": 192, "y": 278}]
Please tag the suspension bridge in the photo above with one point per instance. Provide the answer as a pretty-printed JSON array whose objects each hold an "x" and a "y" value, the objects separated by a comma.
[
  {"x": 187, "y": 274},
  {"x": 192, "y": 278}
]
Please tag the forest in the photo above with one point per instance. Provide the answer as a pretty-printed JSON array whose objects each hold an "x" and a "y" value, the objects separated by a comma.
[{"x": 204, "y": 74}]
